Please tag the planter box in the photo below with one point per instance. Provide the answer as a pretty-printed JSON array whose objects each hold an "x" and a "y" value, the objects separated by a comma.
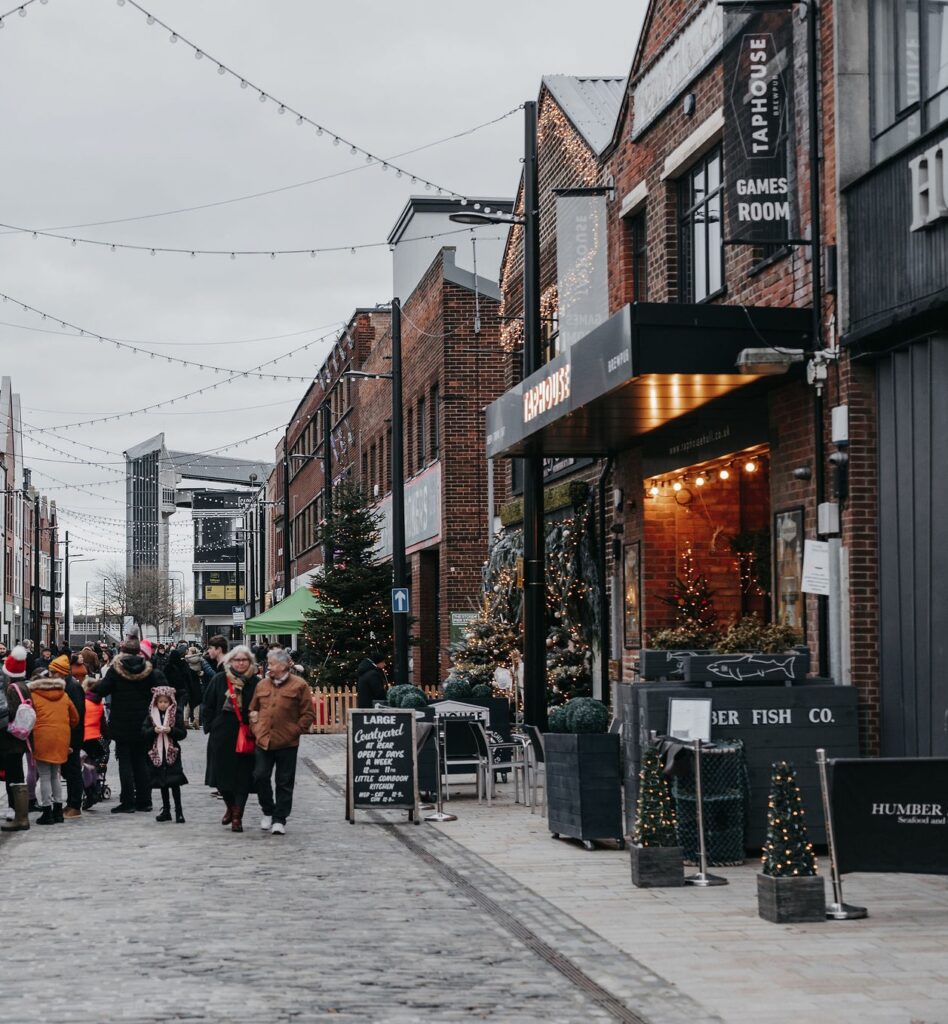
[
  {"x": 657, "y": 867},
  {"x": 584, "y": 786},
  {"x": 663, "y": 664},
  {"x": 791, "y": 900},
  {"x": 746, "y": 669}
]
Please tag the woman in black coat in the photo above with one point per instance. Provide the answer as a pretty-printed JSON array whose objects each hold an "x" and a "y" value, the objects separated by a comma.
[
  {"x": 187, "y": 683},
  {"x": 129, "y": 682},
  {"x": 228, "y": 771},
  {"x": 11, "y": 754}
]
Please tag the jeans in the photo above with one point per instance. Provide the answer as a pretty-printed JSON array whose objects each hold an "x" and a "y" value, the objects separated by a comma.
[
  {"x": 72, "y": 773},
  {"x": 134, "y": 776},
  {"x": 51, "y": 791},
  {"x": 284, "y": 760}
]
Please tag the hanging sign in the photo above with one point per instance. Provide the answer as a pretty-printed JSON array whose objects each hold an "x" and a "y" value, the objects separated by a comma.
[
  {"x": 581, "y": 274},
  {"x": 758, "y": 123}
]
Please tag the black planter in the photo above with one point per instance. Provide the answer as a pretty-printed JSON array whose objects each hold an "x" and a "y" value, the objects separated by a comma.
[
  {"x": 657, "y": 867},
  {"x": 791, "y": 900},
  {"x": 751, "y": 669},
  {"x": 662, "y": 664},
  {"x": 584, "y": 786}
]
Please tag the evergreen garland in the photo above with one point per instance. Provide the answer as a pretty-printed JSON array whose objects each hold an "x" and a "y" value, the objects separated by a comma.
[
  {"x": 787, "y": 850},
  {"x": 655, "y": 819}
]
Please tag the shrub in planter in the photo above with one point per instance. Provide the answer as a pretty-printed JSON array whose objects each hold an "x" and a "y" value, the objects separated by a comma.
[
  {"x": 661, "y": 659},
  {"x": 556, "y": 719},
  {"x": 395, "y": 694},
  {"x": 788, "y": 888},
  {"x": 414, "y": 698},
  {"x": 585, "y": 714},
  {"x": 657, "y": 859},
  {"x": 751, "y": 651},
  {"x": 481, "y": 691},
  {"x": 457, "y": 689},
  {"x": 750, "y": 634}
]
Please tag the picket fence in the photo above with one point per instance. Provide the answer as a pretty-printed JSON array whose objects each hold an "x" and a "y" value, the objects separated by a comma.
[{"x": 332, "y": 703}]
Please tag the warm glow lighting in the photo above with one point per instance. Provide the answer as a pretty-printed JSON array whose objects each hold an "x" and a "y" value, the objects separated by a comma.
[
  {"x": 676, "y": 485},
  {"x": 750, "y": 467},
  {"x": 653, "y": 490},
  {"x": 699, "y": 481},
  {"x": 724, "y": 474}
]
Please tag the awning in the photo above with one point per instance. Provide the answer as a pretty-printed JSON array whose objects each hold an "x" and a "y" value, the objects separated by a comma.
[
  {"x": 286, "y": 616},
  {"x": 645, "y": 366}
]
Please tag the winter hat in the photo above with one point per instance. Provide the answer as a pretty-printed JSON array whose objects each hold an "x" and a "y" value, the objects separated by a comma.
[
  {"x": 14, "y": 664},
  {"x": 131, "y": 646},
  {"x": 79, "y": 670},
  {"x": 146, "y": 648},
  {"x": 60, "y": 666}
]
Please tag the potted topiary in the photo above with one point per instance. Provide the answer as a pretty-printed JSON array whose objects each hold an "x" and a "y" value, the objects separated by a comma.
[
  {"x": 657, "y": 859},
  {"x": 662, "y": 659},
  {"x": 789, "y": 890},
  {"x": 751, "y": 652},
  {"x": 583, "y": 777},
  {"x": 407, "y": 696}
]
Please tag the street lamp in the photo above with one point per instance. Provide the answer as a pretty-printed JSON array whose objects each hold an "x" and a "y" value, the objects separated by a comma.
[
  {"x": 534, "y": 549},
  {"x": 69, "y": 560}
]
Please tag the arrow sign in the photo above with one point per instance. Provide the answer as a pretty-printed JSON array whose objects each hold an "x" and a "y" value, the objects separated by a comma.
[{"x": 400, "y": 600}]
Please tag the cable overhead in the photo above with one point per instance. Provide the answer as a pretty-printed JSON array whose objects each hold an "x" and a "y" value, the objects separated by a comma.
[{"x": 19, "y": 9}]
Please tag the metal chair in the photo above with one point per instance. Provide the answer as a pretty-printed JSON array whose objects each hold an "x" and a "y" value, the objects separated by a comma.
[
  {"x": 489, "y": 749},
  {"x": 460, "y": 730},
  {"x": 537, "y": 764}
]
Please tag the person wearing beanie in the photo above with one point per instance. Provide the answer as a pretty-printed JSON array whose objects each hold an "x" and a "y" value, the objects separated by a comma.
[
  {"x": 56, "y": 717},
  {"x": 147, "y": 649},
  {"x": 128, "y": 683},
  {"x": 72, "y": 671},
  {"x": 15, "y": 691}
]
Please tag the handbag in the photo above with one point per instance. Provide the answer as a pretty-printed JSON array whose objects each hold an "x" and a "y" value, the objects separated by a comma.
[{"x": 246, "y": 744}]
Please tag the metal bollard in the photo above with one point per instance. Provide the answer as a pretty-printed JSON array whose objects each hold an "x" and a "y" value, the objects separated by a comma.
[
  {"x": 701, "y": 877},
  {"x": 440, "y": 814},
  {"x": 837, "y": 910}
]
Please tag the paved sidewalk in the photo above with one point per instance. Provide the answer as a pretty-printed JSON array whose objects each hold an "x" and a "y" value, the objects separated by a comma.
[{"x": 891, "y": 968}]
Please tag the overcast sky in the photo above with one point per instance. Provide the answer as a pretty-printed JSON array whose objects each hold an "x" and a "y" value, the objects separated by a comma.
[{"x": 104, "y": 119}]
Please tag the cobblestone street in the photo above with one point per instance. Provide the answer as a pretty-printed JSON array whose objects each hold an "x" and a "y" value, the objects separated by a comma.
[{"x": 127, "y": 920}]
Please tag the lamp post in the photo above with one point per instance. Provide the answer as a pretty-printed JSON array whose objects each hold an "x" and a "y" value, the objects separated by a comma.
[
  {"x": 534, "y": 541},
  {"x": 67, "y": 610}
]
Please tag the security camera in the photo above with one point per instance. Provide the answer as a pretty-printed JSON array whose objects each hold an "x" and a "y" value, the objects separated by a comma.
[{"x": 803, "y": 473}]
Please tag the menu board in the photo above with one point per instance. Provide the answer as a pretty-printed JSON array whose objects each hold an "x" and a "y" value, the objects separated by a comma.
[{"x": 382, "y": 769}]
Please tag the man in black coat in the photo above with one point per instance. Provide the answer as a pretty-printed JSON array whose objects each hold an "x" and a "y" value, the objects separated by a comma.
[
  {"x": 371, "y": 682},
  {"x": 129, "y": 682}
]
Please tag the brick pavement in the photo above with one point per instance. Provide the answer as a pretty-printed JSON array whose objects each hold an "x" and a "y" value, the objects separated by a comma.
[{"x": 120, "y": 919}]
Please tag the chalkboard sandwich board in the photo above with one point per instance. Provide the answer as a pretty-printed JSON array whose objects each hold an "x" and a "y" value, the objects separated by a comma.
[{"x": 382, "y": 768}]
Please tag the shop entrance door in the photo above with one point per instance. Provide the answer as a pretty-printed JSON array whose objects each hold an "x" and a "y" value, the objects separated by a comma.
[{"x": 913, "y": 549}]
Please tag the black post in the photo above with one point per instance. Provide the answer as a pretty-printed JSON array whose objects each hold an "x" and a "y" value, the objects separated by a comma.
[
  {"x": 399, "y": 565},
  {"x": 262, "y": 515},
  {"x": 66, "y": 591},
  {"x": 534, "y": 540},
  {"x": 816, "y": 286},
  {"x": 286, "y": 516},
  {"x": 251, "y": 571},
  {"x": 52, "y": 577},
  {"x": 326, "y": 413},
  {"x": 37, "y": 596}
]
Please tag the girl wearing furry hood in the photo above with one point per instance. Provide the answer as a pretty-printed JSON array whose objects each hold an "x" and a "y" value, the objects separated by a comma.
[{"x": 164, "y": 727}]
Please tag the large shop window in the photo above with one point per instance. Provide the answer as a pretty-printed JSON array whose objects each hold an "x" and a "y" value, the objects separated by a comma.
[
  {"x": 702, "y": 255},
  {"x": 909, "y": 71},
  {"x": 638, "y": 250}
]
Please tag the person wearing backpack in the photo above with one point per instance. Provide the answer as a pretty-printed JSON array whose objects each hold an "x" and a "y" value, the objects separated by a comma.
[
  {"x": 56, "y": 717},
  {"x": 14, "y": 737}
]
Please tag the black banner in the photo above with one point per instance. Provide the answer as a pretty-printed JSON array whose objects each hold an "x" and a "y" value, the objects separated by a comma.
[
  {"x": 382, "y": 767},
  {"x": 758, "y": 124},
  {"x": 889, "y": 814}
]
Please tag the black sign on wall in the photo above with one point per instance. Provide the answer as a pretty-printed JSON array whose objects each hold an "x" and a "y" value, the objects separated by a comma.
[
  {"x": 758, "y": 124},
  {"x": 382, "y": 767}
]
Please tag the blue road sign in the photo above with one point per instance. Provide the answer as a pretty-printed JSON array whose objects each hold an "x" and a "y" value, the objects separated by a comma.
[{"x": 400, "y": 600}]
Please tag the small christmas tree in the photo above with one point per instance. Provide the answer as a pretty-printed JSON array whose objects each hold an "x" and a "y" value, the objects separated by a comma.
[
  {"x": 568, "y": 668},
  {"x": 691, "y": 596},
  {"x": 787, "y": 851},
  {"x": 354, "y": 614},
  {"x": 655, "y": 823},
  {"x": 486, "y": 645}
]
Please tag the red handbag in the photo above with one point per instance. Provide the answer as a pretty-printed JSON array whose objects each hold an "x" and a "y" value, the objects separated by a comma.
[{"x": 246, "y": 744}]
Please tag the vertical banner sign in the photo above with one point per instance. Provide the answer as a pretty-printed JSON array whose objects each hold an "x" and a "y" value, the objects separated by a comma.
[
  {"x": 758, "y": 124},
  {"x": 582, "y": 275}
]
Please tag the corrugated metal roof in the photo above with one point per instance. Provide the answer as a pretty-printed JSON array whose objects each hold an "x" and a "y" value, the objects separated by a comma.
[{"x": 592, "y": 104}]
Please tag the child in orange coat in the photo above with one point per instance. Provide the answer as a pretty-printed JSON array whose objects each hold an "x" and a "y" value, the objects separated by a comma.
[{"x": 56, "y": 717}]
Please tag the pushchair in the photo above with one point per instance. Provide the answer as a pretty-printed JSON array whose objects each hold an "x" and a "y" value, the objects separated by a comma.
[{"x": 94, "y": 760}]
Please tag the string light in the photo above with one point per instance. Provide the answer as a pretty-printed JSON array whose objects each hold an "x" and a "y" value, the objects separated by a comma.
[
  {"x": 723, "y": 474},
  {"x": 699, "y": 481}
]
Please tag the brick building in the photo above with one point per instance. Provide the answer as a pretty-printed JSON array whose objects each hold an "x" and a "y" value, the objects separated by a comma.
[{"x": 707, "y": 466}]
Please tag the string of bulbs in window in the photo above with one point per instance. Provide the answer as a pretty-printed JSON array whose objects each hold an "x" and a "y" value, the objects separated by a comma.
[{"x": 706, "y": 476}]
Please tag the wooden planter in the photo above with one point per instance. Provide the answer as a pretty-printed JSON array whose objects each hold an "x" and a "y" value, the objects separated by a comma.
[
  {"x": 584, "y": 786},
  {"x": 657, "y": 867},
  {"x": 751, "y": 669},
  {"x": 791, "y": 900},
  {"x": 662, "y": 664}
]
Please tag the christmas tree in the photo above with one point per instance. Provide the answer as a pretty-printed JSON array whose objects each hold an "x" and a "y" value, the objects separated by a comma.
[
  {"x": 568, "y": 665},
  {"x": 787, "y": 850},
  {"x": 691, "y": 596},
  {"x": 354, "y": 614},
  {"x": 486, "y": 645},
  {"x": 655, "y": 823}
]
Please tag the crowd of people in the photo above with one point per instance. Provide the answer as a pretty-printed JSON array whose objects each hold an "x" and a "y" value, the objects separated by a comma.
[{"x": 62, "y": 712}]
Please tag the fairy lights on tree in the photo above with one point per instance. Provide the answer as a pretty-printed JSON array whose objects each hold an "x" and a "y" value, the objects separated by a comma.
[{"x": 787, "y": 850}]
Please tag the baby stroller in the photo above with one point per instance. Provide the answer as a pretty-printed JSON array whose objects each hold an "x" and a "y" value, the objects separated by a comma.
[{"x": 94, "y": 759}]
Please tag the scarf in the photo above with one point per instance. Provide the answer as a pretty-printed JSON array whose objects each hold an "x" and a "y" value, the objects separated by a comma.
[
  {"x": 238, "y": 682},
  {"x": 163, "y": 750}
]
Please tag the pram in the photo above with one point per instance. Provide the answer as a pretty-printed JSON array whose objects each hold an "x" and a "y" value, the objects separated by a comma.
[{"x": 94, "y": 760}]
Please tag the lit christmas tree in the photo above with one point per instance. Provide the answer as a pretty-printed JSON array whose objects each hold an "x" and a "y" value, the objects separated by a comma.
[
  {"x": 486, "y": 645},
  {"x": 655, "y": 822},
  {"x": 787, "y": 849},
  {"x": 691, "y": 596},
  {"x": 568, "y": 666},
  {"x": 354, "y": 614}
]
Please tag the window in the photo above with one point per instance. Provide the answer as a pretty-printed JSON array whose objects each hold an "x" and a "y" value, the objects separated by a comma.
[
  {"x": 909, "y": 71},
  {"x": 701, "y": 268},
  {"x": 635, "y": 234},
  {"x": 409, "y": 442},
  {"x": 388, "y": 459},
  {"x": 420, "y": 426},
  {"x": 435, "y": 423}
]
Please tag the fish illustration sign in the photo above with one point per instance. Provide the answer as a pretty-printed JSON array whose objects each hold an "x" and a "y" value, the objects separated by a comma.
[{"x": 736, "y": 669}]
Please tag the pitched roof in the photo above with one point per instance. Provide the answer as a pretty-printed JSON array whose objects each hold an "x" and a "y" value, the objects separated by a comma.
[{"x": 592, "y": 104}]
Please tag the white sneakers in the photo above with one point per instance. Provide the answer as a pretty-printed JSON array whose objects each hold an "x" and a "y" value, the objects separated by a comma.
[
  {"x": 278, "y": 829},
  {"x": 265, "y": 822}
]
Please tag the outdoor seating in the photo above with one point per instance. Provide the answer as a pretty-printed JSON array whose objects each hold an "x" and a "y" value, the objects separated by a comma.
[
  {"x": 489, "y": 750},
  {"x": 536, "y": 765}
]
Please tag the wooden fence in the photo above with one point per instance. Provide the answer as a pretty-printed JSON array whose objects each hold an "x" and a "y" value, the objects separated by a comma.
[{"x": 332, "y": 703}]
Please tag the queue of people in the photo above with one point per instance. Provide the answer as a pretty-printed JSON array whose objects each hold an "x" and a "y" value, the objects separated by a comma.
[{"x": 60, "y": 714}]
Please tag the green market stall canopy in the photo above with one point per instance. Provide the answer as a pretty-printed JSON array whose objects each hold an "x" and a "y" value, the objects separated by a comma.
[{"x": 286, "y": 616}]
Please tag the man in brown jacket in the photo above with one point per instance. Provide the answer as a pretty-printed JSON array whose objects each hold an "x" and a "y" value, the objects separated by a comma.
[{"x": 281, "y": 709}]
